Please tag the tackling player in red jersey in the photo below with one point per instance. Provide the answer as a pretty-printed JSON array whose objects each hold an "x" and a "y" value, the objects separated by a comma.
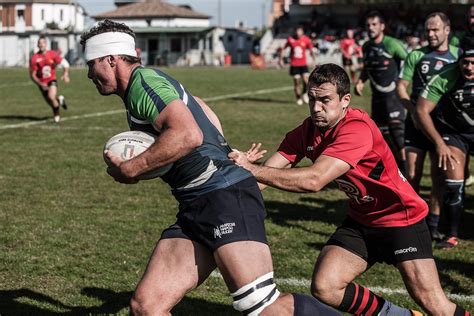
[
  {"x": 43, "y": 73},
  {"x": 298, "y": 44},
  {"x": 385, "y": 222}
]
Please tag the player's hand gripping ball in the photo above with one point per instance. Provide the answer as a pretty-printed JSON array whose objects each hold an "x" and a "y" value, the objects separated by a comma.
[{"x": 130, "y": 144}]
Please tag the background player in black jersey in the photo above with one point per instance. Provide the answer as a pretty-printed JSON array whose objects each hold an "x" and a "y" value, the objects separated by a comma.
[
  {"x": 382, "y": 58},
  {"x": 419, "y": 67}
]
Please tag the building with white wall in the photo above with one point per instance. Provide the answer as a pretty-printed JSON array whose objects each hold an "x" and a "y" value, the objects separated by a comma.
[
  {"x": 23, "y": 21},
  {"x": 171, "y": 34}
]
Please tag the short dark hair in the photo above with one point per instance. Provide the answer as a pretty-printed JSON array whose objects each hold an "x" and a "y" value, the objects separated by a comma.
[
  {"x": 442, "y": 16},
  {"x": 375, "y": 14},
  {"x": 110, "y": 26},
  {"x": 331, "y": 73},
  {"x": 42, "y": 37}
]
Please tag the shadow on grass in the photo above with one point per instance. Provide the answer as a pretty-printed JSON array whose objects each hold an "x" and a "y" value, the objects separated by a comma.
[
  {"x": 25, "y": 301},
  {"x": 24, "y": 117},
  {"x": 287, "y": 214},
  {"x": 446, "y": 279}
]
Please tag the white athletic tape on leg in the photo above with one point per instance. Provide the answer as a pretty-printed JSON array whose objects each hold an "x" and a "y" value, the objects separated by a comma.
[
  {"x": 252, "y": 298},
  {"x": 109, "y": 43}
]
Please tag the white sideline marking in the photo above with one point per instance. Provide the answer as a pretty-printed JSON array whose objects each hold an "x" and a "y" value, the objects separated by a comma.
[
  {"x": 376, "y": 289},
  {"x": 78, "y": 117}
]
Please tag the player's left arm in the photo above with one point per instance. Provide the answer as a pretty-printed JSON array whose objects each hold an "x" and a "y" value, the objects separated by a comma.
[
  {"x": 65, "y": 65},
  {"x": 306, "y": 179}
]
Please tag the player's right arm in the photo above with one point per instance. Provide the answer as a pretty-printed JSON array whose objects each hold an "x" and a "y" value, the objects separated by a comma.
[
  {"x": 406, "y": 76},
  {"x": 425, "y": 104},
  {"x": 359, "y": 85},
  {"x": 34, "y": 76}
]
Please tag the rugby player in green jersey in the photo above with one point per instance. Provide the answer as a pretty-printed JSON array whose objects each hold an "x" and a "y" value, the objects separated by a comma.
[
  {"x": 419, "y": 67},
  {"x": 221, "y": 215},
  {"x": 382, "y": 58},
  {"x": 445, "y": 110}
]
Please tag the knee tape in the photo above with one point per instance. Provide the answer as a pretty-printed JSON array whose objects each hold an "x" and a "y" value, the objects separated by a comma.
[
  {"x": 397, "y": 132},
  {"x": 252, "y": 298},
  {"x": 454, "y": 192}
]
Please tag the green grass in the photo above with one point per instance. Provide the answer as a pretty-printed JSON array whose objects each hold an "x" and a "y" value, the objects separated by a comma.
[{"x": 73, "y": 241}]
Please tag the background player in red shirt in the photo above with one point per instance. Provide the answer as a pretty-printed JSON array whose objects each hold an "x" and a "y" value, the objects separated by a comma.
[
  {"x": 348, "y": 49},
  {"x": 385, "y": 221},
  {"x": 298, "y": 44},
  {"x": 43, "y": 73}
]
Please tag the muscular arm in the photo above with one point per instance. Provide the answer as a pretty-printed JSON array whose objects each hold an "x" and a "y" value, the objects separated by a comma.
[
  {"x": 210, "y": 115},
  {"x": 307, "y": 179},
  {"x": 179, "y": 135},
  {"x": 423, "y": 109},
  {"x": 35, "y": 78},
  {"x": 402, "y": 91}
]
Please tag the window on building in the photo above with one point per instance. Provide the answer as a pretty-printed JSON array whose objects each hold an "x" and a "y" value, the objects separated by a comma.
[
  {"x": 42, "y": 14},
  {"x": 61, "y": 15},
  {"x": 175, "y": 44},
  {"x": 20, "y": 14},
  {"x": 194, "y": 43},
  {"x": 54, "y": 45},
  {"x": 230, "y": 38}
]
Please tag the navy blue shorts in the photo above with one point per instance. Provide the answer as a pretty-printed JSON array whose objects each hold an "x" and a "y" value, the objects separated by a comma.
[
  {"x": 235, "y": 213},
  {"x": 386, "y": 109},
  {"x": 415, "y": 138},
  {"x": 391, "y": 245}
]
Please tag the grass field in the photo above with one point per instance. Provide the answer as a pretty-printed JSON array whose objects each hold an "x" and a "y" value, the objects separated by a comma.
[{"x": 72, "y": 241}]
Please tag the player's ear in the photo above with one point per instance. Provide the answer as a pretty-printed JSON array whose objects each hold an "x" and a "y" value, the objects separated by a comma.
[
  {"x": 345, "y": 100},
  {"x": 112, "y": 60}
]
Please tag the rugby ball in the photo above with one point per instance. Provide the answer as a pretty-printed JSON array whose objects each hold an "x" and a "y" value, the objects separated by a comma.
[{"x": 130, "y": 144}]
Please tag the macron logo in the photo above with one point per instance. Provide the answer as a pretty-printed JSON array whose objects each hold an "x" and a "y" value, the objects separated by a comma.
[{"x": 409, "y": 249}]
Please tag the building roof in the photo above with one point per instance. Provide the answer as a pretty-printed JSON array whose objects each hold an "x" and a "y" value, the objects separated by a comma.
[
  {"x": 35, "y": 1},
  {"x": 155, "y": 30},
  {"x": 151, "y": 9}
]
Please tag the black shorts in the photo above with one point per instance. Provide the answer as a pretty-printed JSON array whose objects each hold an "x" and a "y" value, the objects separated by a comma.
[
  {"x": 386, "y": 109},
  {"x": 50, "y": 84},
  {"x": 346, "y": 61},
  {"x": 298, "y": 71},
  {"x": 235, "y": 213},
  {"x": 415, "y": 138},
  {"x": 463, "y": 141},
  {"x": 391, "y": 245}
]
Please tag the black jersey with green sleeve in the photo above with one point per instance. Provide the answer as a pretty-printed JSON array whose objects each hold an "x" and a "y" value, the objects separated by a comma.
[
  {"x": 455, "y": 98},
  {"x": 382, "y": 64},
  {"x": 204, "y": 169},
  {"x": 423, "y": 63}
]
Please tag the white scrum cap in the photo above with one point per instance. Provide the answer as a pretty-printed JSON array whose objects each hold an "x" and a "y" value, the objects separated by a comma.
[{"x": 109, "y": 43}]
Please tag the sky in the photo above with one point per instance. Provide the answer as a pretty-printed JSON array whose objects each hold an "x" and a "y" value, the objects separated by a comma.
[{"x": 253, "y": 13}]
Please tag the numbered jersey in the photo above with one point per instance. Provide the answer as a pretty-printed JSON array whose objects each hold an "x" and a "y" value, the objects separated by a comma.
[
  {"x": 45, "y": 65},
  {"x": 422, "y": 64},
  {"x": 382, "y": 63},
  {"x": 379, "y": 194},
  {"x": 298, "y": 49},
  {"x": 455, "y": 99}
]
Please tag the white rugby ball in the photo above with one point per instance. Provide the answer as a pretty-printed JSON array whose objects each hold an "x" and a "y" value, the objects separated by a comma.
[{"x": 130, "y": 144}]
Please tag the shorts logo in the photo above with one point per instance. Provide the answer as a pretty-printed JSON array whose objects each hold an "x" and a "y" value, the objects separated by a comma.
[
  {"x": 405, "y": 250},
  {"x": 310, "y": 148},
  {"x": 224, "y": 229},
  {"x": 394, "y": 114}
]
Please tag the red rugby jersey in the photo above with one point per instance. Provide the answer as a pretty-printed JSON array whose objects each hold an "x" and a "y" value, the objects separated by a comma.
[
  {"x": 298, "y": 50},
  {"x": 45, "y": 65},
  {"x": 379, "y": 194}
]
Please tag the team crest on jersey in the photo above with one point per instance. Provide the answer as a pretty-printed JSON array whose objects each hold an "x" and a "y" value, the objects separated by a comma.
[
  {"x": 459, "y": 95},
  {"x": 439, "y": 64},
  {"x": 353, "y": 192}
]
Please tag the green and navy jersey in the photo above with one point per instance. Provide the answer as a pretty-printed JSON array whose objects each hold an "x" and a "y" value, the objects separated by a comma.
[
  {"x": 382, "y": 64},
  {"x": 422, "y": 64},
  {"x": 455, "y": 98},
  {"x": 204, "y": 169}
]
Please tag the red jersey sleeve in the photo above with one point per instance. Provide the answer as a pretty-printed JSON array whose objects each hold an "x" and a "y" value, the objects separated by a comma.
[
  {"x": 309, "y": 43},
  {"x": 33, "y": 65},
  {"x": 57, "y": 58},
  {"x": 292, "y": 147},
  {"x": 351, "y": 143}
]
